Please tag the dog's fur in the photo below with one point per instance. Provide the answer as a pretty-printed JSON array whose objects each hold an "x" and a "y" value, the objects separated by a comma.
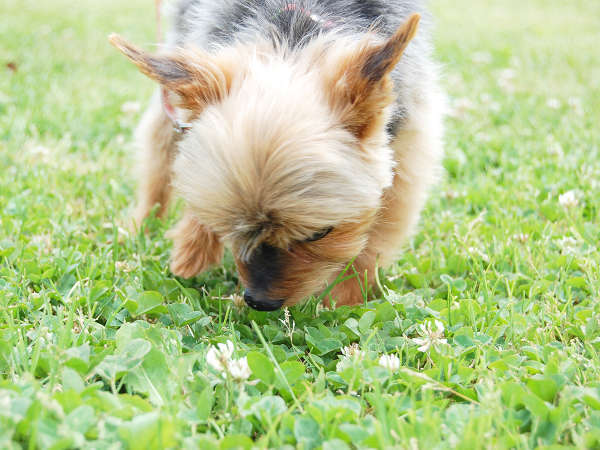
[{"x": 316, "y": 132}]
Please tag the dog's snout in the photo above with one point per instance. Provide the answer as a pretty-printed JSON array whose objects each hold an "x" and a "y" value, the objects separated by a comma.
[
  {"x": 262, "y": 304},
  {"x": 264, "y": 270}
]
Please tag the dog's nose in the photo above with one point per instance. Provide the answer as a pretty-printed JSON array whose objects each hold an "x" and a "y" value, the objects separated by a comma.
[{"x": 260, "y": 304}]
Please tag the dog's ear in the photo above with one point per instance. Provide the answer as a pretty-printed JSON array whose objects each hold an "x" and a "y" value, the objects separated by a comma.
[
  {"x": 360, "y": 87},
  {"x": 194, "y": 77},
  {"x": 380, "y": 60}
]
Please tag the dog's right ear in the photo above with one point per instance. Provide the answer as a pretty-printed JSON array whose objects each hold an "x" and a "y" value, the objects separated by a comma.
[
  {"x": 193, "y": 76},
  {"x": 359, "y": 86}
]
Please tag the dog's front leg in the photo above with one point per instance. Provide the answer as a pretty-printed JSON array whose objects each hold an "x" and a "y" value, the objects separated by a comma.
[
  {"x": 195, "y": 247},
  {"x": 156, "y": 140}
]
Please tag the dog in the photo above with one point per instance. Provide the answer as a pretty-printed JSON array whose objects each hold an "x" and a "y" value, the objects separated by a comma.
[{"x": 314, "y": 132}]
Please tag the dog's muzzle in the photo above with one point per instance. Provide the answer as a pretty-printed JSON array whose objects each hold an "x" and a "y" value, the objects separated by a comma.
[{"x": 260, "y": 304}]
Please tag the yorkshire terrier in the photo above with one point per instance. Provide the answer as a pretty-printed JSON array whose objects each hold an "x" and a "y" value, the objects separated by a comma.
[{"x": 313, "y": 134}]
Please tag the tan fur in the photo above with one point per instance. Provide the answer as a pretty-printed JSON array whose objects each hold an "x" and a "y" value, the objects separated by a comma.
[
  {"x": 417, "y": 154},
  {"x": 359, "y": 95},
  {"x": 156, "y": 140},
  {"x": 195, "y": 248},
  {"x": 195, "y": 77},
  {"x": 270, "y": 160},
  {"x": 308, "y": 264},
  {"x": 283, "y": 147}
]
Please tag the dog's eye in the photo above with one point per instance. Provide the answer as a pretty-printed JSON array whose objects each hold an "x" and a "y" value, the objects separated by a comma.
[{"x": 320, "y": 235}]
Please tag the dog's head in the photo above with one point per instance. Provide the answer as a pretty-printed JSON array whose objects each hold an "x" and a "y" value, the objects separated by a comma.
[{"x": 287, "y": 157}]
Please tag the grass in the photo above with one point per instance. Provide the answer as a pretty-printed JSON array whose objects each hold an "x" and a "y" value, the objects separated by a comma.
[{"x": 100, "y": 347}]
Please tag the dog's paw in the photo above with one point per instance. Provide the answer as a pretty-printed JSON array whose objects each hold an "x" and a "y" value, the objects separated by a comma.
[
  {"x": 136, "y": 223},
  {"x": 187, "y": 262},
  {"x": 145, "y": 211},
  {"x": 195, "y": 248}
]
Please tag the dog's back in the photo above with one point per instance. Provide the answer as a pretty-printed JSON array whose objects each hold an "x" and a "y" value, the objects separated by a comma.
[
  {"x": 292, "y": 24},
  {"x": 206, "y": 21}
]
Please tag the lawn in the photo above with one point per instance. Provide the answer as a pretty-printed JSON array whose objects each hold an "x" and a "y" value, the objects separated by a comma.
[{"x": 493, "y": 312}]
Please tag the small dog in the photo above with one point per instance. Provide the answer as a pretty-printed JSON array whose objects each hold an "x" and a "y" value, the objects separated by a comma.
[{"x": 314, "y": 134}]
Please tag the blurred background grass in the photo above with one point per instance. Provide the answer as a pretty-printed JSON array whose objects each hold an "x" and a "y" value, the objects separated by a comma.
[{"x": 69, "y": 80}]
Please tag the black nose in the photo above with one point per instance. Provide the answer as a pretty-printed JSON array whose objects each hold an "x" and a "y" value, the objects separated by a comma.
[{"x": 262, "y": 304}]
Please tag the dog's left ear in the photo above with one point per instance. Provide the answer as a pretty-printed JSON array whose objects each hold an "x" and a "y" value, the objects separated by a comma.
[
  {"x": 193, "y": 76},
  {"x": 360, "y": 88}
]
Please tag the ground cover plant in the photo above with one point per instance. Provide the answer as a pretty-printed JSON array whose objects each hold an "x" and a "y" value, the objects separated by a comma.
[{"x": 485, "y": 334}]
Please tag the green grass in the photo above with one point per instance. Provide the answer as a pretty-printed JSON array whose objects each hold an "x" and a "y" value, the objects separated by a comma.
[{"x": 101, "y": 347}]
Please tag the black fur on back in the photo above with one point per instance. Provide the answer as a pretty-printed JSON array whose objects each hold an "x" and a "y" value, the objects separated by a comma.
[
  {"x": 227, "y": 18},
  {"x": 209, "y": 23}
]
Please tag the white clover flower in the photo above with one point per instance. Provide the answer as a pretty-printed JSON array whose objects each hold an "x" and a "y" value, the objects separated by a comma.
[
  {"x": 219, "y": 357},
  {"x": 124, "y": 266},
  {"x": 508, "y": 74},
  {"x": 555, "y": 148},
  {"x": 481, "y": 57},
  {"x": 505, "y": 80},
  {"x": 353, "y": 351},
  {"x": 568, "y": 199},
  {"x": 239, "y": 369},
  {"x": 429, "y": 336},
  {"x": 351, "y": 354},
  {"x": 567, "y": 244},
  {"x": 40, "y": 150},
  {"x": 482, "y": 255},
  {"x": 553, "y": 103},
  {"x": 391, "y": 362}
]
